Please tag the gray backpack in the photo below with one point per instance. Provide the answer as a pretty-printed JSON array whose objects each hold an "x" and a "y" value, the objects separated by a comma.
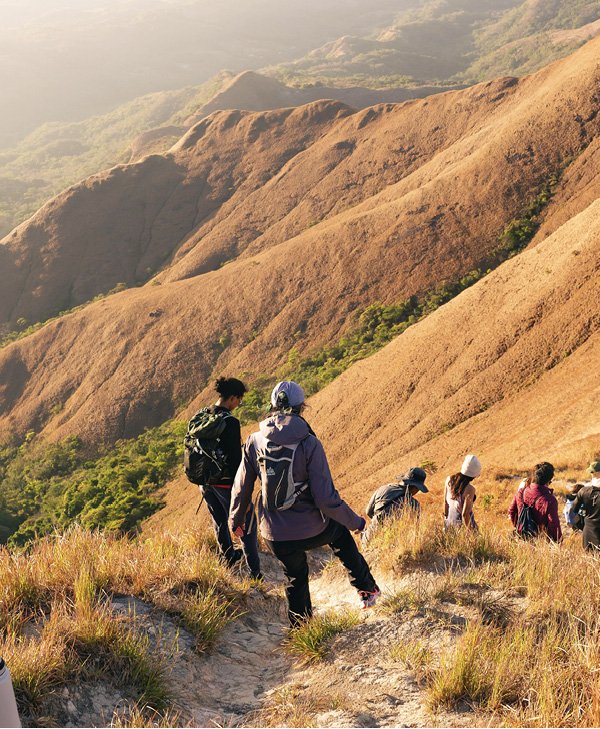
[{"x": 276, "y": 466}]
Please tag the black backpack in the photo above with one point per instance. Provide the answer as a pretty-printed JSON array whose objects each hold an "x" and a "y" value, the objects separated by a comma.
[
  {"x": 527, "y": 527},
  {"x": 203, "y": 458}
]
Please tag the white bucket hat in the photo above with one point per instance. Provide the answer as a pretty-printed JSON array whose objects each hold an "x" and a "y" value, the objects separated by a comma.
[{"x": 471, "y": 466}]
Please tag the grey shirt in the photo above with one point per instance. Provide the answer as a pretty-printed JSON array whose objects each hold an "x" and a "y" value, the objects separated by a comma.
[{"x": 390, "y": 496}]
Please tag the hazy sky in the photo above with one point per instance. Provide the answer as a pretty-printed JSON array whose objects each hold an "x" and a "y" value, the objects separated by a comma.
[{"x": 64, "y": 60}]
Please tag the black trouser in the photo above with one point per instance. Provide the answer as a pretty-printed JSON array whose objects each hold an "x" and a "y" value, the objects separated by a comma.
[
  {"x": 591, "y": 535},
  {"x": 292, "y": 554},
  {"x": 218, "y": 501}
]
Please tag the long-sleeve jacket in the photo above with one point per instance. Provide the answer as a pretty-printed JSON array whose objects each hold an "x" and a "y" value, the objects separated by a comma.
[
  {"x": 318, "y": 503},
  {"x": 588, "y": 499},
  {"x": 545, "y": 509},
  {"x": 389, "y": 497}
]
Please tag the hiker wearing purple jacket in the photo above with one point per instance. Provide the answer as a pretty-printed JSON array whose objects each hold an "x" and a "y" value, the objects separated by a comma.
[{"x": 299, "y": 508}]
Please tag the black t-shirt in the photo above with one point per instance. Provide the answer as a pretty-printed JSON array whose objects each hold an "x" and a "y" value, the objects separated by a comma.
[{"x": 231, "y": 444}]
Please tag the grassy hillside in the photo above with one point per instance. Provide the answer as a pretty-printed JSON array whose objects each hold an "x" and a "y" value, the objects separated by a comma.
[
  {"x": 451, "y": 41},
  {"x": 77, "y": 649},
  {"x": 471, "y": 630},
  {"x": 58, "y": 155}
]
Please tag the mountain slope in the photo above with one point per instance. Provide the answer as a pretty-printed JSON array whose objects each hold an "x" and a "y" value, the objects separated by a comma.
[
  {"x": 508, "y": 369},
  {"x": 456, "y": 169},
  {"x": 450, "y": 41},
  {"x": 120, "y": 225},
  {"x": 61, "y": 154},
  {"x": 57, "y": 155},
  {"x": 239, "y": 179},
  {"x": 255, "y": 92}
]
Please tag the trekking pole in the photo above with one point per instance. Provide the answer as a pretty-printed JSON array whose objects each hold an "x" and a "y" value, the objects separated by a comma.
[{"x": 199, "y": 505}]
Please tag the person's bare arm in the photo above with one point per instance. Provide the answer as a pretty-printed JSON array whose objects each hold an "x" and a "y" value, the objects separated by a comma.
[
  {"x": 446, "y": 498},
  {"x": 467, "y": 511}
]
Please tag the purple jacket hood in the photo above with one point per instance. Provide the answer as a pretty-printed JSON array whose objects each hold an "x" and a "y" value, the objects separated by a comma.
[{"x": 284, "y": 429}]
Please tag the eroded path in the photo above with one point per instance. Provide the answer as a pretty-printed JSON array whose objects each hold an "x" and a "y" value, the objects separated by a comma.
[{"x": 249, "y": 679}]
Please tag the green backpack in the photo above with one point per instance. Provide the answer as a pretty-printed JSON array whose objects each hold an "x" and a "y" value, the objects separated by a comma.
[{"x": 203, "y": 459}]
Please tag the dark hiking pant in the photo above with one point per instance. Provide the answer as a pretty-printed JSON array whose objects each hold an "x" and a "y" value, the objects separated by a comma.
[
  {"x": 591, "y": 536},
  {"x": 218, "y": 501},
  {"x": 292, "y": 554}
]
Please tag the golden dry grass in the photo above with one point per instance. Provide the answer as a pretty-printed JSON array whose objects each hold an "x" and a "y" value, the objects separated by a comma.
[
  {"x": 57, "y": 624},
  {"x": 310, "y": 640},
  {"x": 530, "y": 653},
  {"x": 298, "y": 706}
]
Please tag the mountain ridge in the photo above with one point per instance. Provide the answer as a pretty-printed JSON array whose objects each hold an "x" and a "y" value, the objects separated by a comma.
[{"x": 125, "y": 360}]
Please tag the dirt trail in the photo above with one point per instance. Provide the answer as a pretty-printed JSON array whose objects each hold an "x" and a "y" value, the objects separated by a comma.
[
  {"x": 249, "y": 679},
  {"x": 223, "y": 686},
  {"x": 375, "y": 690}
]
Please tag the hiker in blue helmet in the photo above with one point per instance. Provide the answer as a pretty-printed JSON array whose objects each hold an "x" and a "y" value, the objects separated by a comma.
[{"x": 299, "y": 508}]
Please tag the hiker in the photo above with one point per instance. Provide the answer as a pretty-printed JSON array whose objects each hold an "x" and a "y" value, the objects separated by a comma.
[
  {"x": 460, "y": 495},
  {"x": 214, "y": 452},
  {"x": 393, "y": 497},
  {"x": 534, "y": 508},
  {"x": 299, "y": 508},
  {"x": 587, "y": 505},
  {"x": 572, "y": 519}
]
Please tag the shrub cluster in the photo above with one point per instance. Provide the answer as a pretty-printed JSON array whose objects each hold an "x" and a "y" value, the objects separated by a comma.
[{"x": 47, "y": 486}]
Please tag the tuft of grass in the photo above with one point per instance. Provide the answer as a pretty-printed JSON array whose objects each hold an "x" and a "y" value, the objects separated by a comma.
[
  {"x": 416, "y": 655},
  {"x": 309, "y": 641},
  {"x": 37, "y": 667},
  {"x": 297, "y": 706},
  {"x": 205, "y": 614},
  {"x": 410, "y": 539},
  {"x": 99, "y": 644},
  {"x": 405, "y": 599},
  {"x": 135, "y": 715},
  {"x": 495, "y": 608},
  {"x": 447, "y": 586}
]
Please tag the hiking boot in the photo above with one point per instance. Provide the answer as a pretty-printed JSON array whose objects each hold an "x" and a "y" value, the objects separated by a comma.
[
  {"x": 234, "y": 558},
  {"x": 368, "y": 599}
]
